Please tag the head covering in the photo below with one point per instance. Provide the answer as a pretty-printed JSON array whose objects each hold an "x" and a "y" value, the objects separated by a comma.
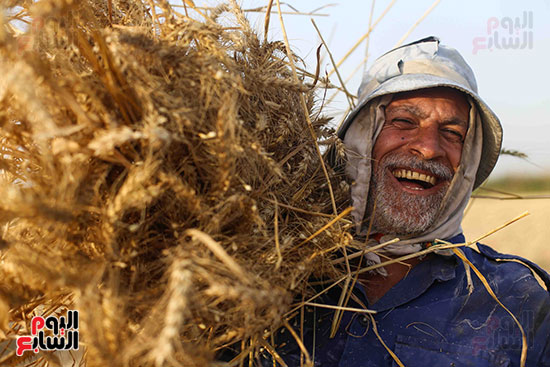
[{"x": 420, "y": 65}]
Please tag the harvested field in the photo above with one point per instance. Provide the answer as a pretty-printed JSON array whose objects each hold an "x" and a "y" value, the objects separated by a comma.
[{"x": 528, "y": 237}]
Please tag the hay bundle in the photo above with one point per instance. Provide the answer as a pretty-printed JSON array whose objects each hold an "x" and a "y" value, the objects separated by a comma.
[{"x": 159, "y": 176}]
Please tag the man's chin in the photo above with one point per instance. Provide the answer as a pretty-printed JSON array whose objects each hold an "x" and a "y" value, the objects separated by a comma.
[
  {"x": 401, "y": 222},
  {"x": 406, "y": 211}
]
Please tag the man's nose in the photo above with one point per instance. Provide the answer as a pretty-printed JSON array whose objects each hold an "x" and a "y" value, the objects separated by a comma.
[{"x": 427, "y": 143}]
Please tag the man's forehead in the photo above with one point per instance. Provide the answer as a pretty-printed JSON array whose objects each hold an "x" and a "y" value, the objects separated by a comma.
[{"x": 410, "y": 102}]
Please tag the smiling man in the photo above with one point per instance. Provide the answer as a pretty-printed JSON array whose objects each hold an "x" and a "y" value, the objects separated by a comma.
[
  {"x": 417, "y": 144},
  {"x": 415, "y": 157}
]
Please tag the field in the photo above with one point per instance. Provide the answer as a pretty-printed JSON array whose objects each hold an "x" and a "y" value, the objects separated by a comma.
[{"x": 528, "y": 237}]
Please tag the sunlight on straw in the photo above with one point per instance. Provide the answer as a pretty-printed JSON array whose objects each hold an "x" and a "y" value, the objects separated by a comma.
[
  {"x": 305, "y": 109},
  {"x": 368, "y": 38},
  {"x": 363, "y": 37},
  {"x": 315, "y": 296},
  {"x": 483, "y": 280},
  {"x": 349, "y": 96},
  {"x": 218, "y": 251},
  {"x": 366, "y": 251},
  {"x": 521, "y": 216},
  {"x": 276, "y": 229},
  {"x": 272, "y": 351},
  {"x": 352, "y": 74},
  {"x": 338, "y": 313},
  {"x": 267, "y": 17},
  {"x": 350, "y": 309},
  {"x": 392, "y": 354},
  {"x": 328, "y": 225},
  {"x": 408, "y": 33},
  {"x": 296, "y": 337}
]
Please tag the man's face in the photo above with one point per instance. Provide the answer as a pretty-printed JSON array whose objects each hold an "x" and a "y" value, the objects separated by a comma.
[{"x": 415, "y": 157}]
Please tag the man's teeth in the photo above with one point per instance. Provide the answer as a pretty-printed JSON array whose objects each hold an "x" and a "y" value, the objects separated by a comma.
[{"x": 412, "y": 175}]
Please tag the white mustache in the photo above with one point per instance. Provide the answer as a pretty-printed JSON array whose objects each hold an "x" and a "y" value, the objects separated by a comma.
[{"x": 400, "y": 160}]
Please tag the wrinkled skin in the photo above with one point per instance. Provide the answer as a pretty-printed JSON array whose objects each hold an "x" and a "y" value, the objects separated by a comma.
[{"x": 415, "y": 157}]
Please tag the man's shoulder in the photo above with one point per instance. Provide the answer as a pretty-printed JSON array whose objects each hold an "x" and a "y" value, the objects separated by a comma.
[{"x": 516, "y": 271}]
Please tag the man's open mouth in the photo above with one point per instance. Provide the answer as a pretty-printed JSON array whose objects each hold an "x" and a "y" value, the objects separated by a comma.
[{"x": 414, "y": 180}]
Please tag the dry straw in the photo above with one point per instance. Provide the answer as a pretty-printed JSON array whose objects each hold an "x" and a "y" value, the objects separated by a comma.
[{"x": 160, "y": 176}]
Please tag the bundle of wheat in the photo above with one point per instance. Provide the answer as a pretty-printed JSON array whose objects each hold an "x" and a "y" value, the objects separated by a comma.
[{"x": 160, "y": 176}]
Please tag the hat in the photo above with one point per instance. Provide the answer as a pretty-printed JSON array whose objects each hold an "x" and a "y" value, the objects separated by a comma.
[{"x": 427, "y": 64}]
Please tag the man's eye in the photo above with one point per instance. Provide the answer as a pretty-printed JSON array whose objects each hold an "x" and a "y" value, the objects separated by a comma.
[
  {"x": 403, "y": 122},
  {"x": 453, "y": 134}
]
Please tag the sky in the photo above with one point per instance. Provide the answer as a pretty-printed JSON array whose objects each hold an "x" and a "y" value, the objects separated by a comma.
[{"x": 513, "y": 81}]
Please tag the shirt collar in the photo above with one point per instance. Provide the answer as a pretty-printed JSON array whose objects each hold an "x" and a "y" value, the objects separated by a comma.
[{"x": 419, "y": 279}]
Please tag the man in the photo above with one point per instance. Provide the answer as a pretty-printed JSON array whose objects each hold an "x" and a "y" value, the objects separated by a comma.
[{"x": 417, "y": 144}]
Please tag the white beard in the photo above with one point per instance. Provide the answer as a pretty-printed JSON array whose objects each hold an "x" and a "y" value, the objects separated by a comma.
[{"x": 400, "y": 212}]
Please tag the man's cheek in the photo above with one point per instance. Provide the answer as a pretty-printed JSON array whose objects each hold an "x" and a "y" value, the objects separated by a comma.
[{"x": 455, "y": 154}]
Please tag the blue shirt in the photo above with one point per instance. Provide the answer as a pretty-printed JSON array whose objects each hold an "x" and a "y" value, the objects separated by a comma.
[{"x": 430, "y": 318}]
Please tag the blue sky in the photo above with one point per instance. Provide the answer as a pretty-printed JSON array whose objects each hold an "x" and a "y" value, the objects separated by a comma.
[{"x": 514, "y": 82}]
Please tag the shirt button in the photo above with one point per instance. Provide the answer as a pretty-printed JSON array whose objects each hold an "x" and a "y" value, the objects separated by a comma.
[{"x": 364, "y": 321}]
